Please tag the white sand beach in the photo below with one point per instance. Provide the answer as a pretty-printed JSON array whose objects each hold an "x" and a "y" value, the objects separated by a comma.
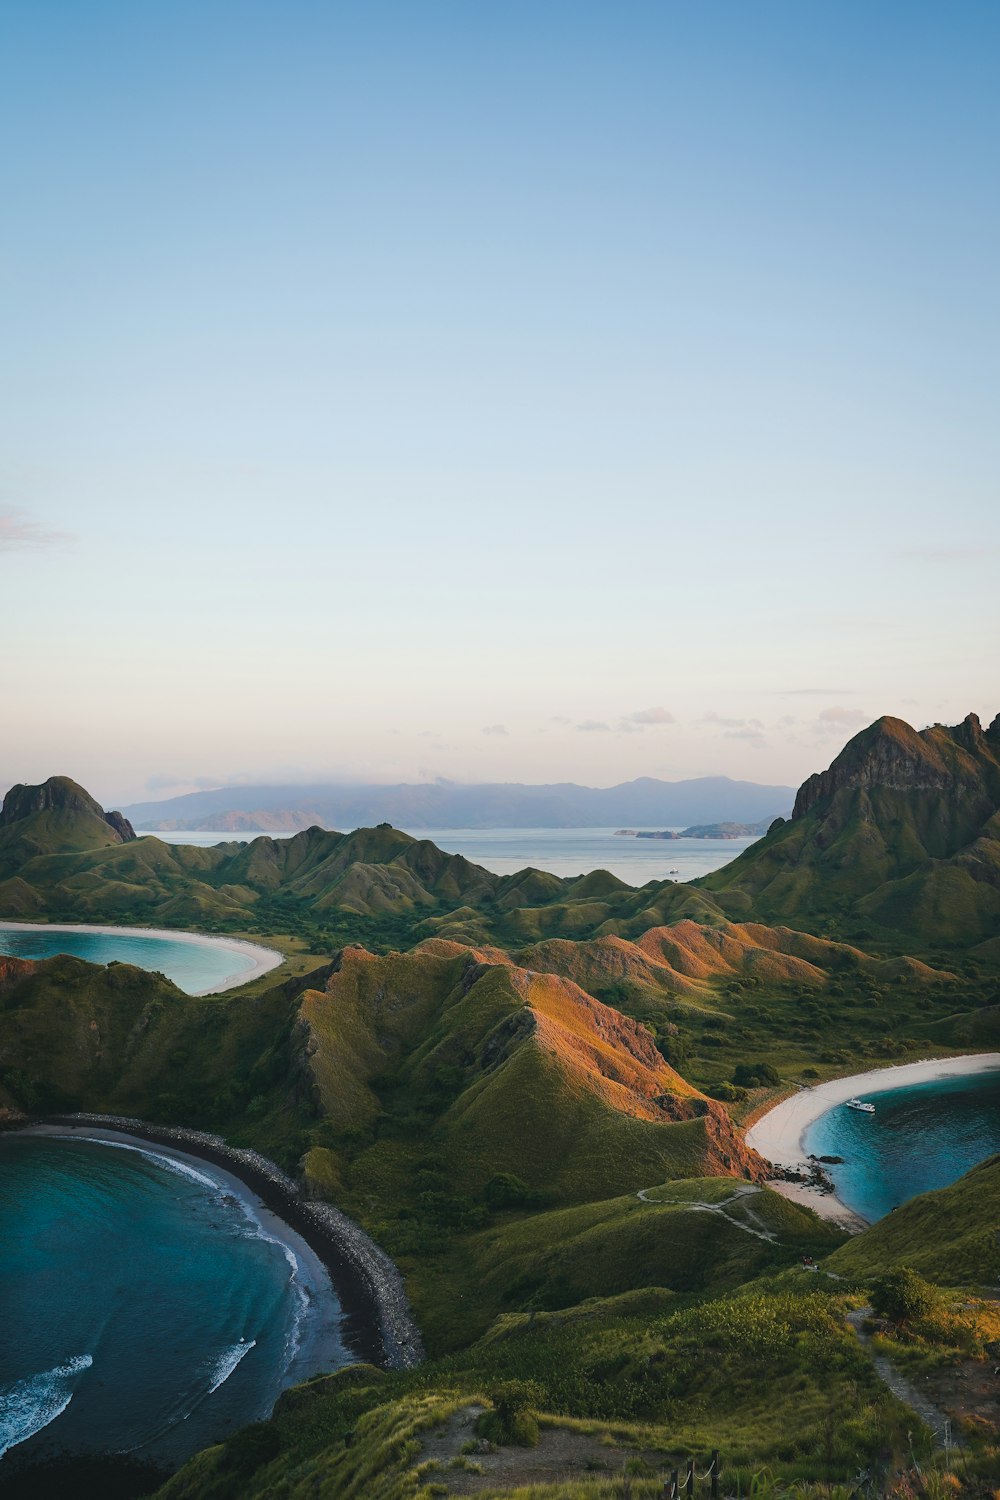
[
  {"x": 779, "y": 1134},
  {"x": 256, "y": 960}
]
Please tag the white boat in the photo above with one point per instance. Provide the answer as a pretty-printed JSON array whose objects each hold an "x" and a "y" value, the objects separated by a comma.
[{"x": 866, "y": 1109}]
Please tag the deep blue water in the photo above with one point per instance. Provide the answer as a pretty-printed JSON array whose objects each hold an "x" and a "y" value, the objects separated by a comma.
[
  {"x": 920, "y": 1138},
  {"x": 561, "y": 851},
  {"x": 127, "y": 1282},
  {"x": 193, "y": 967}
]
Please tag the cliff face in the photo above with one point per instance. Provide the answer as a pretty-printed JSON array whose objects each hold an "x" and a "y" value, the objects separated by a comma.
[
  {"x": 890, "y": 754},
  {"x": 901, "y": 834},
  {"x": 61, "y": 795}
]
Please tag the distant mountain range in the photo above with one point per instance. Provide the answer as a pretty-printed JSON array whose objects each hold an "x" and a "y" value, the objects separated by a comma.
[{"x": 288, "y": 809}]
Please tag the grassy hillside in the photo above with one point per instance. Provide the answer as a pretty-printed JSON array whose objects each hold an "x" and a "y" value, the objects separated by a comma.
[
  {"x": 897, "y": 842},
  {"x": 951, "y": 1236},
  {"x": 525, "y": 1088},
  {"x": 773, "y": 1378}
]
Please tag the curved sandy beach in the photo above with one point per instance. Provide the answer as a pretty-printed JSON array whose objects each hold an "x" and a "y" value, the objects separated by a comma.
[
  {"x": 260, "y": 959},
  {"x": 779, "y": 1134}
]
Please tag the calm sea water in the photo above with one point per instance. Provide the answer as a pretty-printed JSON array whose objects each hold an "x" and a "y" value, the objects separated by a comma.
[
  {"x": 561, "y": 851},
  {"x": 920, "y": 1138},
  {"x": 193, "y": 967},
  {"x": 144, "y": 1305}
]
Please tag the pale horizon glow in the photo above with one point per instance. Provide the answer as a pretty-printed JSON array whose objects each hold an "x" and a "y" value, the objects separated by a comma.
[{"x": 549, "y": 392}]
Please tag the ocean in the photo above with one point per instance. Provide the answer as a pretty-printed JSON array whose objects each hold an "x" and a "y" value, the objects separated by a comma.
[
  {"x": 149, "y": 1303},
  {"x": 919, "y": 1138},
  {"x": 194, "y": 965},
  {"x": 561, "y": 851}
]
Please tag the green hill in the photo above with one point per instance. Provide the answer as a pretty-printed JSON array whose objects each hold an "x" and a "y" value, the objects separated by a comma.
[
  {"x": 951, "y": 1236},
  {"x": 492, "y": 1103},
  {"x": 62, "y": 858},
  {"x": 899, "y": 840},
  {"x": 55, "y": 817}
]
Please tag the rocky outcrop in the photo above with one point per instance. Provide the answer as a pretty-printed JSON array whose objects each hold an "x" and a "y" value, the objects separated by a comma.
[
  {"x": 890, "y": 754},
  {"x": 120, "y": 825},
  {"x": 887, "y": 753},
  {"x": 62, "y": 795},
  {"x": 14, "y": 969}
]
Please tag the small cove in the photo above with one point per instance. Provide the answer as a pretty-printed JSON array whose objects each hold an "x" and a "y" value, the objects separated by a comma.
[
  {"x": 150, "y": 1301},
  {"x": 922, "y": 1136},
  {"x": 197, "y": 964}
]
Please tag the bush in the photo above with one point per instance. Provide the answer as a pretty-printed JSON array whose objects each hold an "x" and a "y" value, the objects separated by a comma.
[
  {"x": 756, "y": 1075},
  {"x": 727, "y": 1092},
  {"x": 512, "y": 1419},
  {"x": 506, "y": 1190},
  {"x": 902, "y": 1296}
]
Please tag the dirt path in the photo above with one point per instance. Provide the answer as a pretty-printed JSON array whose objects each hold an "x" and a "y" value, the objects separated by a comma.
[
  {"x": 562, "y": 1454},
  {"x": 747, "y": 1191},
  {"x": 898, "y": 1384}
]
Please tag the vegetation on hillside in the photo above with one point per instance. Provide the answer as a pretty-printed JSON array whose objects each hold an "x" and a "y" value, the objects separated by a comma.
[{"x": 527, "y": 1089}]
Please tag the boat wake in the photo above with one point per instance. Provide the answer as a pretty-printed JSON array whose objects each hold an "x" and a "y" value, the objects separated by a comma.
[{"x": 31, "y": 1404}]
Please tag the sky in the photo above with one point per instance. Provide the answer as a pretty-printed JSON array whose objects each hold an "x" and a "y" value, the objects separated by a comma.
[{"x": 525, "y": 392}]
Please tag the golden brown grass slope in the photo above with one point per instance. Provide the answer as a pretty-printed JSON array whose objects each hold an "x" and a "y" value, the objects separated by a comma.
[{"x": 506, "y": 1069}]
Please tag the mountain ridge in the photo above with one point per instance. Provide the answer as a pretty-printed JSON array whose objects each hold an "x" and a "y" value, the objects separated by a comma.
[
  {"x": 900, "y": 834},
  {"x": 704, "y": 799}
]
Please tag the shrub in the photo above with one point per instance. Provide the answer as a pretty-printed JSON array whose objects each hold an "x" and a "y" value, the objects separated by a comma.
[
  {"x": 756, "y": 1075},
  {"x": 727, "y": 1092},
  {"x": 902, "y": 1295},
  {"x": 506, "y": 1190},
  {"x": 512, "y": 1419}
]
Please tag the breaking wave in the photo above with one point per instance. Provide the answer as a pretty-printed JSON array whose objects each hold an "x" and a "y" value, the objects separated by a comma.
[
  {"x": 171, "y": 1163},
  {"x": 227, "y": 1362},
  {"x": 31, "y": 1404}
]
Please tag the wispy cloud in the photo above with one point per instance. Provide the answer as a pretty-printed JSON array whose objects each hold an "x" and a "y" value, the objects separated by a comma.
[
  {"x": 163, "y": 781},
  {"x": 838, "y": 720},
  {"x": 494, "y": 729},
  {"x": 750, "y": 730},
  {"x": 594, "y": 726},
  {"x": 18, "y": 529},
  {"x": 656, "y": 715}
]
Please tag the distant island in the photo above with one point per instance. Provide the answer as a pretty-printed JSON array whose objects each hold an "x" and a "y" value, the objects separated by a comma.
[
  {"x": 701, "y": 831},
  {"x": 516, "y": 1106},
  {"x": 446, "y": 804}
]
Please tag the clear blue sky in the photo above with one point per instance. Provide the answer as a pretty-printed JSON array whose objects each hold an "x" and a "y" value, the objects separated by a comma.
[{"x": 401, "y": 390}]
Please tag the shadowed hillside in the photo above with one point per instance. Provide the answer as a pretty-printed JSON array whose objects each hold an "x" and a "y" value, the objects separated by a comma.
[
  {"x": 899, "y": 839},
  {"x": 62, "y": 858}
]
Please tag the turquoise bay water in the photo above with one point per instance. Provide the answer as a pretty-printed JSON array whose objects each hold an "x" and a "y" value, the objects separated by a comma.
[
  {"x": 561, "y": 851},
  {"x": 193, "y": 966},
  {"x": 146, "y": 1302},
  {"x": 919, "y": 1138}
]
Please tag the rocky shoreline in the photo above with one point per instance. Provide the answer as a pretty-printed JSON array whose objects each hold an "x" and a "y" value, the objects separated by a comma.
[{"x": 379, "y": 1326}]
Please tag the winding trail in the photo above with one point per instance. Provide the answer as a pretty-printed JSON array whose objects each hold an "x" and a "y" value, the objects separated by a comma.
[
  {"x": 898, "y": 1384},
  {"x": 749, "y": 1190}
]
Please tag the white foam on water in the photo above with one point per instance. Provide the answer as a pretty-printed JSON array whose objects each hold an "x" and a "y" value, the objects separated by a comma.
[
  {"x": 258, "y": 1232},
  {"x": 31, "y": 1404},
  {"x": 170, "y": 1162},
  {"x": 227, "y": 1362},
  {"x": 221, "y": 1369}
]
